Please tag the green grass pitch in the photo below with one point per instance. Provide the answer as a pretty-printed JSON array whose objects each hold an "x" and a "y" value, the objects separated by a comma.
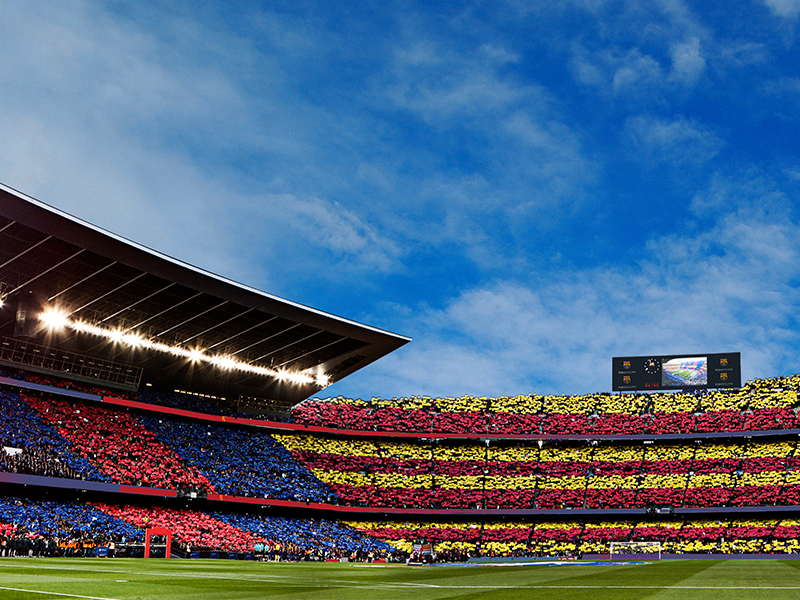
[{"x": 134, "y": 579}]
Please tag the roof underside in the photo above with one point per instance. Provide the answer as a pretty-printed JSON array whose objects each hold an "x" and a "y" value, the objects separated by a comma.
[{"x": 49, "y": 258}]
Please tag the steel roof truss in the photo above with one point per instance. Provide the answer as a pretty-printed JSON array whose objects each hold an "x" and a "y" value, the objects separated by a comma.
[
  {"x": 166, "y": 310},
  {"x": 108, "y": 293},
  {"x": 24, "y": 252},
  {"x": 139, "y": 301},
  {"x": 309, "y": 353},
  {"x": 289, "y": 345},
  {"x": 240, "y": 333},
  {"x": 32, "y": 279},
  {"x": 74, "y": 285}
]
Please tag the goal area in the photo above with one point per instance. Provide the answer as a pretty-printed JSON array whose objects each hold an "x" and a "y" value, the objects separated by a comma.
[
  {"x": 157, "y": 538},
  {"x": 638, "y": 548}
]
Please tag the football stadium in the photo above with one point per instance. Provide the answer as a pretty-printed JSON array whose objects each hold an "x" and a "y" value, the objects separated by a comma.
[{"x": 164, "y": 437}]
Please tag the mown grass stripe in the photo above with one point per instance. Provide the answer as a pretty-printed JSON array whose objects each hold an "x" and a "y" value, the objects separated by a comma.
[{"x": 10, "y": 589}]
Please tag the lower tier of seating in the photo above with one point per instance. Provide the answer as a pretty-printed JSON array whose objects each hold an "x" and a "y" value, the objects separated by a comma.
[
  {"x": 77, "y": 525},
  {"x": 576, "y": 538},
  {"x": 66, "y": 528}
]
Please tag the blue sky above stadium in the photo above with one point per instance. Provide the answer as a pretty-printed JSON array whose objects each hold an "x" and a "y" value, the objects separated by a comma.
[{"x": 525, "y": 188}]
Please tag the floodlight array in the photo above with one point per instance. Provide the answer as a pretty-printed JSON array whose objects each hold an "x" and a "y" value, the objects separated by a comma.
[{"x": 54, "y": 319}]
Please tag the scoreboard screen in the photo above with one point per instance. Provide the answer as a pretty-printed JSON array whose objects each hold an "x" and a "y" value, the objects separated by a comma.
[{"x": 676, "y": 372}]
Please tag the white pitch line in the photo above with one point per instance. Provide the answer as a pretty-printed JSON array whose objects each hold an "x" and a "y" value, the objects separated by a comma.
[
  {"x": 401, "y": 585},
  {"x": 84, "y": 569},
  {"x": 10, "y": 589},
  {"x": 340, "y": 583}
]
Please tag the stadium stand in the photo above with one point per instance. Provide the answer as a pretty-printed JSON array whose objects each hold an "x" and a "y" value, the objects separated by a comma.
[
  {"x": 70, "y": 527},
  {"x": 762, "y": 404},
  {"x": 580, "y": 538},
  {"x": 49, "y": 434}
]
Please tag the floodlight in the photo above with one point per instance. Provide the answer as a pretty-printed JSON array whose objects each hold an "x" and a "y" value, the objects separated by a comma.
[
  {"x": 53, "y": 318},
  {"x": 133, "y": 339}
]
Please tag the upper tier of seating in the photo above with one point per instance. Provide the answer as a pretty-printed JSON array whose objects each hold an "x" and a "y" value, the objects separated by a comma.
[
  {"x": 107, "y": 444},
  {"x": 762, "y": 404}
]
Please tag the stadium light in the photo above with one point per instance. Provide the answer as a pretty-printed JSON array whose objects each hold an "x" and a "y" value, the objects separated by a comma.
[
  {"x": 54, "y": 318},
  {"x": 136, "y": 340}
]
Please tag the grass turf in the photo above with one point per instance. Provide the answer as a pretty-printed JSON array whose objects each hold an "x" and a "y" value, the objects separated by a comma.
[{"x": 134, "y": 579}]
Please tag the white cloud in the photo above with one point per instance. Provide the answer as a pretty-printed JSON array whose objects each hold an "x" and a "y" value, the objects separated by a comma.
[
  {"x": 728, "y": 288},
  {"x": 630, "y": 75},
  {"x": 440, "y": 84},
  {"x": 499, "y": 54},
  {"x": 148, "y": 131},
  {"x": 788, "y": 9},
  {"x": 688, "y": 62},
  {"x": 636, "y": 74},
  {"x": 677, "y": 141},
  {"x": 332, "y": 227}
]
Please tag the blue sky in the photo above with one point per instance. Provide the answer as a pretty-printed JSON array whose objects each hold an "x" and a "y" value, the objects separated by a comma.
[{"x": 525, "y": 188}]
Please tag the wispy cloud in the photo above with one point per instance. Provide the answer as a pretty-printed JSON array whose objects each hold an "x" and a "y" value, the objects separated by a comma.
[
  {"x": 788, "y": 9},
  {"x": 524, "y": 190},
  {"x": 676, "y": 141},
  {"x": 728, "y": 288},
  {"x": 688, "y": 62}
]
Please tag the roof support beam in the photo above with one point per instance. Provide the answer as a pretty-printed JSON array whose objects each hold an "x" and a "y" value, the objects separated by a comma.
[
  {"x": 32, "y": 279},
  {"x": 139, "y": 301},
  {"x": 192, "y": 318},
  {"x": 302, "y": 356},
  {"x": 108, "y": 293},
  {"x": 289, "y": 345},
  {"x": 85, "y": 279},
  {"x": 166, "y": 310},
  {"x": 266, "y": 339},
  {"x": 24, "y": 252},
  {"x": 238, "y": 333}
]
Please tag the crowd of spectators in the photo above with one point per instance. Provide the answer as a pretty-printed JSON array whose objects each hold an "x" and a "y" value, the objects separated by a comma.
[
  {"x": 762, "y": 404},
  {"x": 239, "y": 462},
  {"x": 317, "y": 539},
  {"x": 119, "y": 444},
  {"x": 42, "y": 459},
  {"x": 575, "y": 538},
  {"x": 34, "y": 446},
  {"x": 425, "y": 474},
  {"x": 54, "y": 436},
  {"x": 49, "y": 528},
  {"x": 194, "y": 402},
  {"x": 44, "y": 527},
  {"x": 217, "y": 458}
]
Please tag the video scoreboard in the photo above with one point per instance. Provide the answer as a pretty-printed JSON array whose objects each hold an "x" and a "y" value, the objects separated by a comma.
[{"x": 676, "y": 372}]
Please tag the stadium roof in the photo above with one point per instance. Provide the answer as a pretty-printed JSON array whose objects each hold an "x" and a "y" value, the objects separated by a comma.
[{"x": 185, "y": 328}]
